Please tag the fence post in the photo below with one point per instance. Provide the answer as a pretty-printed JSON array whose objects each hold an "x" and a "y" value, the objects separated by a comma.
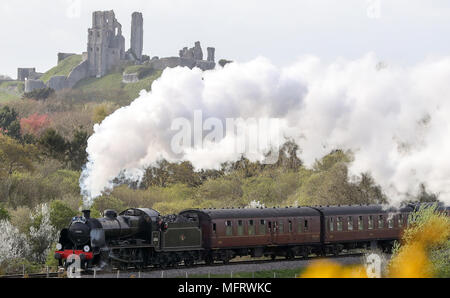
[
  {"x": 231, "y": 274},
  {"x": 48, "y": 273},
  {"x": 95, "y": 273},
  {"x": 23, "y": 270},
  {"x": 162, "y": 274},
  {"x": 118, "y": 273},
  {"x": 187, "y": 276},
  {"x": 139, "y": 275}
]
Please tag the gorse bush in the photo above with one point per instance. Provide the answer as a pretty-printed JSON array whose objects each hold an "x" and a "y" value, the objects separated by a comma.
[{"x": 426, "y": 241}]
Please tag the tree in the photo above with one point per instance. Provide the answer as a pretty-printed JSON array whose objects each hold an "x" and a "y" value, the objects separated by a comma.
[
  {"x": 60, "y": 214},
  {"x": 15, "y": 157},
  {"x": 9, "y": 124},
  {"x": 77, "y": 155},
  {"x": 39, "y": 94},
  {"x": 4, "y": 215},
  {"x": 34, "y": 124},
  {"x": 53, "y": 143},
  {"x": 42, "y": 234}
]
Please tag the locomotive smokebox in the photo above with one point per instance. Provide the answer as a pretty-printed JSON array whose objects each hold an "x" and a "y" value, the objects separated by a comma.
[{"x": 86, "y": 214}]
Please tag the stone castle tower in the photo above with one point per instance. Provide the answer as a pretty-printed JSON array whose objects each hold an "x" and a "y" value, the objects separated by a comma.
[
  {"x": 106, "y": 45},
  {"x": 137, "y": 35}
]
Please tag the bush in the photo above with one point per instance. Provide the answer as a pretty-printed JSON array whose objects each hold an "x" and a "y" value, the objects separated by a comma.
[
  {"x": 42, "y": 234},
  {"x": 60, "y": 214},
  {"x": 426, "y": 242},
  {"x": 39, "y": 94},
  {"x": 4, "y": 214}
]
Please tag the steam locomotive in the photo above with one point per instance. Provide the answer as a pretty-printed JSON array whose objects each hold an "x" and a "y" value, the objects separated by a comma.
[{"x": 141, "y": 237}]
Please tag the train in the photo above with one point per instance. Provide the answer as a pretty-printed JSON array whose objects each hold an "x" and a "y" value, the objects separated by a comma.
[{"x": 142, "y": 237}]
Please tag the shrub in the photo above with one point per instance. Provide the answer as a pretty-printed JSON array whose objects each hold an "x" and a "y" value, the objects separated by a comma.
[
  {"x": 34, "y": 124},
  {"x": 39, "y": 94},
  {"x": 60, "y": 214}
]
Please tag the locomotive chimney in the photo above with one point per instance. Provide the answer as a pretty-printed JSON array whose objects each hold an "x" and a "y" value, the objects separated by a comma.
[{"x": 86, "y": 214}]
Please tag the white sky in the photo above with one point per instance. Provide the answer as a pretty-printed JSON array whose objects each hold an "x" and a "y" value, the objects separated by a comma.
[{"x": 402, "y": 32}]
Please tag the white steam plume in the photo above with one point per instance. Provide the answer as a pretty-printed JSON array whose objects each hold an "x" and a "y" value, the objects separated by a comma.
[{"x": 395, "y": 119}]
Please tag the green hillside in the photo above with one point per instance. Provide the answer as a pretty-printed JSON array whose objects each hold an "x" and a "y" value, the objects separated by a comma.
[
  {"x": 63, "y": 68},
  {"x": 113, "y": 82},
  {"x": 11, "y": 90}
]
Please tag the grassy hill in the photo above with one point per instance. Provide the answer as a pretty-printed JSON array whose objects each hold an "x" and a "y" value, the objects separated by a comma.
[
  {"x": 11, "y": 90},
  {"x": 112, "y": 83},
  {"x": 63, "y": 68}
]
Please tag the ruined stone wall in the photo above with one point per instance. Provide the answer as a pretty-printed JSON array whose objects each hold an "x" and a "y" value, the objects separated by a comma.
[
  {"x": 78, "y": 73},
  {"x": 62, "y": 56},
  {"x": 27, "y": 74},
  {"x": 31, "y": 85}
]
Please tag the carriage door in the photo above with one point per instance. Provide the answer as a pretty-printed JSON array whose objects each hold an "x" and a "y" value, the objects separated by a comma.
[
  {"x": 279, "y": 231},
  {"x": 271, "y": 230}
]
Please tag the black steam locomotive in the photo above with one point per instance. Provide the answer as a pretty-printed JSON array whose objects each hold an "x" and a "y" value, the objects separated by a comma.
[
  {"x": 142, "y": 237},
  {"x": 135, "y": 237}
]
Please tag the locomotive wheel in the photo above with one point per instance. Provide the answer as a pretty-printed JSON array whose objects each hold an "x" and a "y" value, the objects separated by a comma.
[
  {"x": 290, "y": 255},
  {"x": 209, "y": 260},
  {"x": 189, "y": 262},
  {"x": 305, "y": 254}
]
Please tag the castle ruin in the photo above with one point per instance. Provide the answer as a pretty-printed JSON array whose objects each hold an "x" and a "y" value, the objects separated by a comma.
[
  {"x": 106, "y": 44},
  {"x": 106, "y": 51},
  {"x": 137, "y": 36}
]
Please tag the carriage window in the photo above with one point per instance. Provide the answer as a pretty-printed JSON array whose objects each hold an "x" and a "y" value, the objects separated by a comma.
[
  {"x": 300, "y": 226},
  {"x": 360, "y": 223},
  {"x": 270, "y": 227},
  {"x": 350, "y": 223},
  {"x": 290, "y": 226},
  {"x": 306, "y": 226},
  {"x": 262, "y": 227},
  {"x": 380, "y": 221},
  {"x": 390, "y": 222},
  {"x": 240, "y": 228},
  {"x": 400, "y": 220},
  {"x": 281, "y": 227},
  {"x": 251, "y": 227},
  {"x": 370, "y": 222},
  {"x": 229, "y": 228},
  {"x": 339, "y": 223},
  {"x": 331, "y": 224},
  {"x": 214, "y": 228}
]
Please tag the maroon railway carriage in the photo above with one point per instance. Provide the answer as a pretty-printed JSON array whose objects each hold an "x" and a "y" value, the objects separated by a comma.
[
  {"x": 297, "y": 231},
  {"x": 361, "y": 226},
  {"x": 258, "y": 232}
]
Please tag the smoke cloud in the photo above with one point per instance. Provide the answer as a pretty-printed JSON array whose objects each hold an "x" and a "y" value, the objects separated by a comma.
[{"x": 395, "y": 120}]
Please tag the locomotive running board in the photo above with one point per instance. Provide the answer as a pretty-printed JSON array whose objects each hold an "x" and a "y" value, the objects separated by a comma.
[{"x": 122, "y": 260}]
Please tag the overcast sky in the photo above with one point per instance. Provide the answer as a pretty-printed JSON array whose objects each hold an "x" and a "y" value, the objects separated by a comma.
[{"x": 398, "y": 31}]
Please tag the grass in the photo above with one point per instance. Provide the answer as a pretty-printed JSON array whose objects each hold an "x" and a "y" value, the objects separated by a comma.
[
  {"x": 63, "y": 68},
  {"x": 11, "y": 90},
  {"x": 281, "y": 273},
  {"x": 113, "y": 82},
  {"x": 133, "y": 69}
]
